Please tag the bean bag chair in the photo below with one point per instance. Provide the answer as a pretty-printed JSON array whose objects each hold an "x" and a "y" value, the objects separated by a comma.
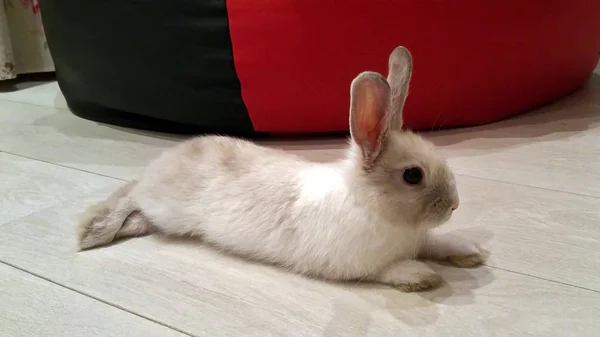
[{"x": 285, "y": 66}]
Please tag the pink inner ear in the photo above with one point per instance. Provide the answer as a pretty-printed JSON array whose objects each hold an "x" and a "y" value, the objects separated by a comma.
[
  {"x": 369, "y": 102},
  {"x": 371, "y": 108},
  {"x": 369, "y": 125}
]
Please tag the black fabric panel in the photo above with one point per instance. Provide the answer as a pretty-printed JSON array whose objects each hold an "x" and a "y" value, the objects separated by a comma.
[{"x": 152, "y": 64}]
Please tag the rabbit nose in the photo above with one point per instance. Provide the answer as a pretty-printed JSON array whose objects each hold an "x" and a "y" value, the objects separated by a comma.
[{"x": 454, "y": 207}]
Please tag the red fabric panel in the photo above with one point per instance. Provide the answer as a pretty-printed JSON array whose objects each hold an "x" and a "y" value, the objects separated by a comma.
[{"x": 474, "y": 61}]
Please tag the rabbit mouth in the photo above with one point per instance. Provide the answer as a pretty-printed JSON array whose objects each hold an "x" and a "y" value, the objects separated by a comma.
[
  {"x": 437, "y": 213},
  {"x": 436, "y": 219}
]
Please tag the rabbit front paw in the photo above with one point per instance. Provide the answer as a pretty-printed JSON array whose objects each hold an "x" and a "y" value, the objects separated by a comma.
[
  {"x": 457, "y": 251},
  {"x": 410, "y": 276},
  {"x": 467, "y": 261}
]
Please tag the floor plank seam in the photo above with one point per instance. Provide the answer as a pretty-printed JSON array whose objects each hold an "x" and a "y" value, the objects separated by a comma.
[
  {"x": 543, "y": 278},
  {"x": 35, "y": 104},
  {"x": 61, "y": 165},
  {"x": 529, "y": 186},
  {"x": 98, "y": 299}
]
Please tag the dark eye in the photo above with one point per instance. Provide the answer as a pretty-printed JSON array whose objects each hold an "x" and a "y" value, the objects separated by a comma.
[{"x": 413, "y": 175}]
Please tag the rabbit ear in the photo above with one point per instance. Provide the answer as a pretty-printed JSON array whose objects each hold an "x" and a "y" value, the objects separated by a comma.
[
  {"x": 399, "y": 72},
  {"x": 369, "y": 114}
]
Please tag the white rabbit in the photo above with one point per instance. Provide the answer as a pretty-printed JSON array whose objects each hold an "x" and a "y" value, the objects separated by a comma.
[{"x": 366, "y": 217}]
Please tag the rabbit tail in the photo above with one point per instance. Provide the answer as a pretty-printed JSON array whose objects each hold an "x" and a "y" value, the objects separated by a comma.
[{"x": 111, "y": 219}]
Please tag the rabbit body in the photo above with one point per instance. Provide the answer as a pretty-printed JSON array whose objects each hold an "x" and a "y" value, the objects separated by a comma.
[
  {"x": 365, "y": 217},
  {"x": 313, "y": 218}
]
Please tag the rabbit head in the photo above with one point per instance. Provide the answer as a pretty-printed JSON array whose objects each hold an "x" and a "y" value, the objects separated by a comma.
[{"x": 398, "y": 173}]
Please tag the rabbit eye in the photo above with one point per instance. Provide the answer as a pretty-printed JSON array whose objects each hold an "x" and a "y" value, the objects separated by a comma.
[{"x": 413, "y": 175}]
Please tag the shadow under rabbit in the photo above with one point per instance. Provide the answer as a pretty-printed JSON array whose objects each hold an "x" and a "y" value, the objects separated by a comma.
[
  {"x": 354, "y": 308},
  {"x": 195, "y": 242},
  {"x": 354, "y": 311},
  {"x": 410, "y": 309}
]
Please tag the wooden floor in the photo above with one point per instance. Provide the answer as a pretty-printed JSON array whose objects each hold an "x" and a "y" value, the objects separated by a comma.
[{"x": 530, "y": 194}]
